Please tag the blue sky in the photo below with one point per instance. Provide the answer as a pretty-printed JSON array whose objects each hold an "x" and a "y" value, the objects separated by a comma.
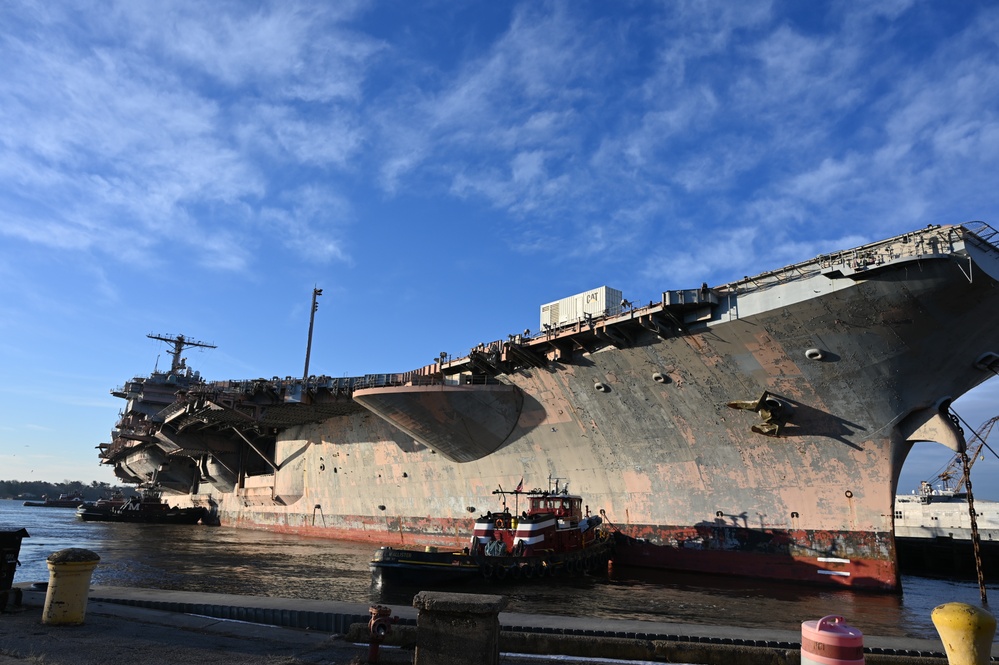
[{"x": 440, "y": 170}]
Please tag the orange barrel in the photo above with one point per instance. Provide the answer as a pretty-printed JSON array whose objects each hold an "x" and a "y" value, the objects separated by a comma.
[{"x": 831, "y": 641}]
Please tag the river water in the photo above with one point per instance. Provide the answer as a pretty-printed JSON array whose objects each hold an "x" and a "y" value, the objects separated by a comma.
[{"x": 259, "y": 563}]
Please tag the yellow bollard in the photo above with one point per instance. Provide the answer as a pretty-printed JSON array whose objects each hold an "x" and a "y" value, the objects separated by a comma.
[
  {"x": 966, "y": 632},
  {"x": 69, "y": 584}
]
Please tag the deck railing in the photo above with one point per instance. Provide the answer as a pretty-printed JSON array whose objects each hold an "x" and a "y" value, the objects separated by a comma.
[{"x": 984, "y": 232}]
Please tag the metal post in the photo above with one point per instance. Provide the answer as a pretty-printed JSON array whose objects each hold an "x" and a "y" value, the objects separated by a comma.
[{"x": 312, "y": 318}]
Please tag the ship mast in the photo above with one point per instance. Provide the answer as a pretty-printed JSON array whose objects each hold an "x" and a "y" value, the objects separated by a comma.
[
  {"x": 316, "y": 292},
  {"x": 179, "y": 344}
]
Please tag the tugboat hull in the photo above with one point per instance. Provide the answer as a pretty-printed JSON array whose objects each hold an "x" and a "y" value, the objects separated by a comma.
[{"x": 173, "y": 516}]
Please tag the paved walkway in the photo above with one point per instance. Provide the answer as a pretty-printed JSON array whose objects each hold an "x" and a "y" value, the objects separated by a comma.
[{"x": 121, "y": 634}]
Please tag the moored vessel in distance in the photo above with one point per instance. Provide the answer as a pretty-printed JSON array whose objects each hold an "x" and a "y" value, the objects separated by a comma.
[
  {"x": 65, "y": 500},
  {"x": 554, "y": 536},
  {"x": 754, "y": 428},
  {"x": 933, "y": 533}
]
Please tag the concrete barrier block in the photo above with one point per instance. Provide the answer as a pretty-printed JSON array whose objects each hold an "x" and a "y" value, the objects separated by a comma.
[{"x": 457, "y": 628}]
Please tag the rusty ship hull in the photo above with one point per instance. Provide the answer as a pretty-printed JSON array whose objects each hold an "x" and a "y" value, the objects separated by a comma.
[{"x": 755, "y": 428}]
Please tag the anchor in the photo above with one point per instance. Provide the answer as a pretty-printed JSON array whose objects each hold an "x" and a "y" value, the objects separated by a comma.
[{"x": 774, "y": 412}]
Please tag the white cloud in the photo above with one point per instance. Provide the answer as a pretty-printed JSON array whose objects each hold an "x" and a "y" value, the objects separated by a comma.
[
  {"x": 289, "y": 138},
  {"x": 119, "y": 151},
  {"x": 519, "y": 97},
  {"x": 690, "y": 261},
  {"x": 827, "y": 181},
  {"x": 166, "y": 125},
  {"x": 311, "y": 223},
  {"x": 292, "y": 51}
]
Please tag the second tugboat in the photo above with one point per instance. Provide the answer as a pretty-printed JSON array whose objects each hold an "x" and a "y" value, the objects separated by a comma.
[
  {"x": 554, "y": 536},
  {"x": 70, "y": 500}
]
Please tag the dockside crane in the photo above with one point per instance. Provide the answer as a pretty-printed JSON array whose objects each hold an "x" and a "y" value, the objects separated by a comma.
[
  {"x": 966, "y": 461},
  {"x": 955, "y": 466}
]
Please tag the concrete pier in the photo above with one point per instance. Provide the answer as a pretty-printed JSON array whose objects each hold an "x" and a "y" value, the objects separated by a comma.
[{"x": 170, "y": 627}]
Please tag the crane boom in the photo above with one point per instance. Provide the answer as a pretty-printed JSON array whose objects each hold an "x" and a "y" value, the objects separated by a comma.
[{"x": 951, "y": 470}]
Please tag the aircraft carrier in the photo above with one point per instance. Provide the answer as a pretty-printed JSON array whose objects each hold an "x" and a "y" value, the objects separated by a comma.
[{"x": 753, "y": 428}]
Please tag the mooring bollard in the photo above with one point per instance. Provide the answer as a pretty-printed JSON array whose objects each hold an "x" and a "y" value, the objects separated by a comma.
[
  {"x": 457, "y": 628},
  {"x": 831, "y": 641},
  {"x": 966, "y": 632},
  {"x": 69, "y": 585}
]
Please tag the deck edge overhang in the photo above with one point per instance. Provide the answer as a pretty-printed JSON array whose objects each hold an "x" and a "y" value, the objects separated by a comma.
[{"x": 462, "y": 423}]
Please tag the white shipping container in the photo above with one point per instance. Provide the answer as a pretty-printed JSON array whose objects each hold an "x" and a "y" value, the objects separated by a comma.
[{"x": 595, "y": 302}]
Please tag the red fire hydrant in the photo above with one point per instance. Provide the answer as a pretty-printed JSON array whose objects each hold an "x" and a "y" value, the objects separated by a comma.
[{"x": 379, "y": 626}]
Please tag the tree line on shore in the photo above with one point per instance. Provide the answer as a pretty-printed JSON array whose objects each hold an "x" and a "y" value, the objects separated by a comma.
[{"x": 35, "y": 489}]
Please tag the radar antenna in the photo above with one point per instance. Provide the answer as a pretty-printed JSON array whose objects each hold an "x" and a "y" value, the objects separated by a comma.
[{"x": 179, "y": 344}]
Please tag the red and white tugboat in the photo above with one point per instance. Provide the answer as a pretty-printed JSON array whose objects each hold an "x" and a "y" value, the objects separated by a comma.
[{"x": 554, "y": 535}]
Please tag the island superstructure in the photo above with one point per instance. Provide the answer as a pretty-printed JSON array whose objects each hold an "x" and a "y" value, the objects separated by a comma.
[{"x": 757, "y": 427}]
